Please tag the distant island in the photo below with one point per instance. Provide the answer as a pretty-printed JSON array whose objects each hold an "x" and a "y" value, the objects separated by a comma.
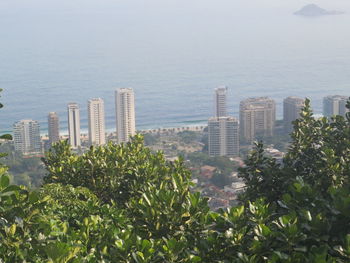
[{"x": 313, "y": 10}]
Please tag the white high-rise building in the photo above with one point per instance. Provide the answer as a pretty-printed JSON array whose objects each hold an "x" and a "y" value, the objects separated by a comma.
[
  {"x": 221, "y": 101},
  {"x": 125, "y": 114},
  {"x": 26, "y": 136},
  {"x": 74, "y": 125},
  {"x": 223, "y": 130},
  {"x": 96, "y": 112},
  {"x": 54, "y": 128},
  {"x": 223, "y": 136},
  {"x": 335, "y": 105}
]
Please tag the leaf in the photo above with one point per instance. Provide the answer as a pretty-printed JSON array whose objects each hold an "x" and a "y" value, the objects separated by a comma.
[
  {"x": 119, "y": 243},
  {"x": 282, "y": 204},
  {"x": 186, "y": 217},
  {"x": 60, "y": 252},
  {"x": 11, "y": 230},
  {"x": 252, "y": 208},
  {"x": 308, "y": 215},
  {"x": 11, "y": 188},
  {"x": 195, "y": 259},
  {"x": 238, "y": 211},
  {"x": 281, "y": 255},
  {"x": 147, "y": 200},
  {"x": 4, "y": 181},
  {"x": 265, "y": 230},
  {"x": 33, "y": 197},
  {"x": 171, "y": 244},
  {"x": 146, "y": 244}
]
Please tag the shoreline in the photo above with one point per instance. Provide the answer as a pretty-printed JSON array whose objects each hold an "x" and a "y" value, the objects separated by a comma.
[{"x": 110, "y": 133}]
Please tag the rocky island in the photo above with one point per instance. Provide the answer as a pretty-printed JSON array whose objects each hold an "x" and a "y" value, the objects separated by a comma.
[{"x": 313, "y": 10}]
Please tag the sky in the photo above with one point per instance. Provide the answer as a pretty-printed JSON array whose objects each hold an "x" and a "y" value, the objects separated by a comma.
[{"x": 95, "y": 6}]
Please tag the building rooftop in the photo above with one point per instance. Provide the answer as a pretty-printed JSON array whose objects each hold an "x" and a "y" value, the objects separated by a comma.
[
  {"x": 125, "y": 90},
  {"x": 222, "y": 88},
  {"x": 259, "y": 102},
  {"x": 337, "y": 97}
]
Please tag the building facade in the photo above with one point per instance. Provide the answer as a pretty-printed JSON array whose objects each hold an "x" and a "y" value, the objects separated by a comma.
[
  {"x": 125, "y": 114},
  {"x": 223, "y": 136},
  {"x": 74, "y": 125},
  {"x": 292, "y": 107},
  {"x": 335, "y": 105},
  {"x": 96, "y": 118},
  {"x": 257, "y": 118},
  {"x": 26, "y": 136},
  {"x": 221, "y": 101},
  {"x": 53, "y": 128}
]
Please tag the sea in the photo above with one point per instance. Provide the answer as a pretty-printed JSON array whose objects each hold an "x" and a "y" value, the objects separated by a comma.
[{"x": 173, "y": 53}]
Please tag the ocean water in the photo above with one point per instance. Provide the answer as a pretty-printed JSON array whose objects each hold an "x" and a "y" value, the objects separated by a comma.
[{"x": 172, "y": 52}]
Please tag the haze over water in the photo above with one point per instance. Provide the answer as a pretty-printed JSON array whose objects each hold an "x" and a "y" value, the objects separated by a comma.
[{"x": 172, "y": 52}]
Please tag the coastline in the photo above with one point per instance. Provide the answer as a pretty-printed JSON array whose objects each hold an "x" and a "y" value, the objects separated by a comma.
[{"x": 110, "y": 133}]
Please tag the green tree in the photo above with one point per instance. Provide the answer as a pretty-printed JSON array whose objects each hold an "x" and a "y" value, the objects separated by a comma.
[
  {"x": 150, "y": 138},
  {"x": 154, "y": 193},
  {"x": 188, "y": 136},
  {"x": 295, "y": 212},
  {"x": 113, "y": 172},
  {"x": 319, "y": 154}
]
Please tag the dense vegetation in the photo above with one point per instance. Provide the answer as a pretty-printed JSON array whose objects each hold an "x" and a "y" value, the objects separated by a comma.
[
  {"x": 123, "y": 203},
  {"x": 23, "y": 170},
  {"x": 224, "y": 167}
]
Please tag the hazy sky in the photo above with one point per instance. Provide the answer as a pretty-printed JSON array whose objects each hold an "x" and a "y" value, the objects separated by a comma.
[
  {"x": 168, "y": 26},
  {"x": 13, "y": 6}
]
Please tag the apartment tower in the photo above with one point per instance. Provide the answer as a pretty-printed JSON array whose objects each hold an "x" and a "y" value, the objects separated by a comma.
[
  {"x": 223, "y": 130},
  {"x": 74, "y": 125},
  {"x": 26, "y": 136},
  {"x": 96, "y": 112},
  {"x": 335, "y": 105},
  {"x": 125, "y": 114},
  {"x": 257, "y": 117},
  {"x": 292, "y": 107},
  {"x": 223, "y": 136},
  {"x": 53, "y": 127},
  {"x": 221, "y": 101}
]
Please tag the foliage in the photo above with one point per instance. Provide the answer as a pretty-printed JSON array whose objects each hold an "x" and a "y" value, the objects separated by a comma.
[
  {"x": 301, "y": 204},
  {"x": 225, "y": 167},
  {"x": 153, "y": 193},
  {"x": 71, "y": 224},
  {"x": 114, "y": 172},
  {"x": 151, "y": 139},
  {"x": 188, "y": 136},
  {"x": 43, "y": 227},
  {"x": 302, "y": 228},
  {"x": 24, "y": 170},
  {"x": 319, "y": 154},
  {"x": 262, "y": 175},
  {"x": 221, "y": 179},
  {"x": 223, "y": 163}
]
